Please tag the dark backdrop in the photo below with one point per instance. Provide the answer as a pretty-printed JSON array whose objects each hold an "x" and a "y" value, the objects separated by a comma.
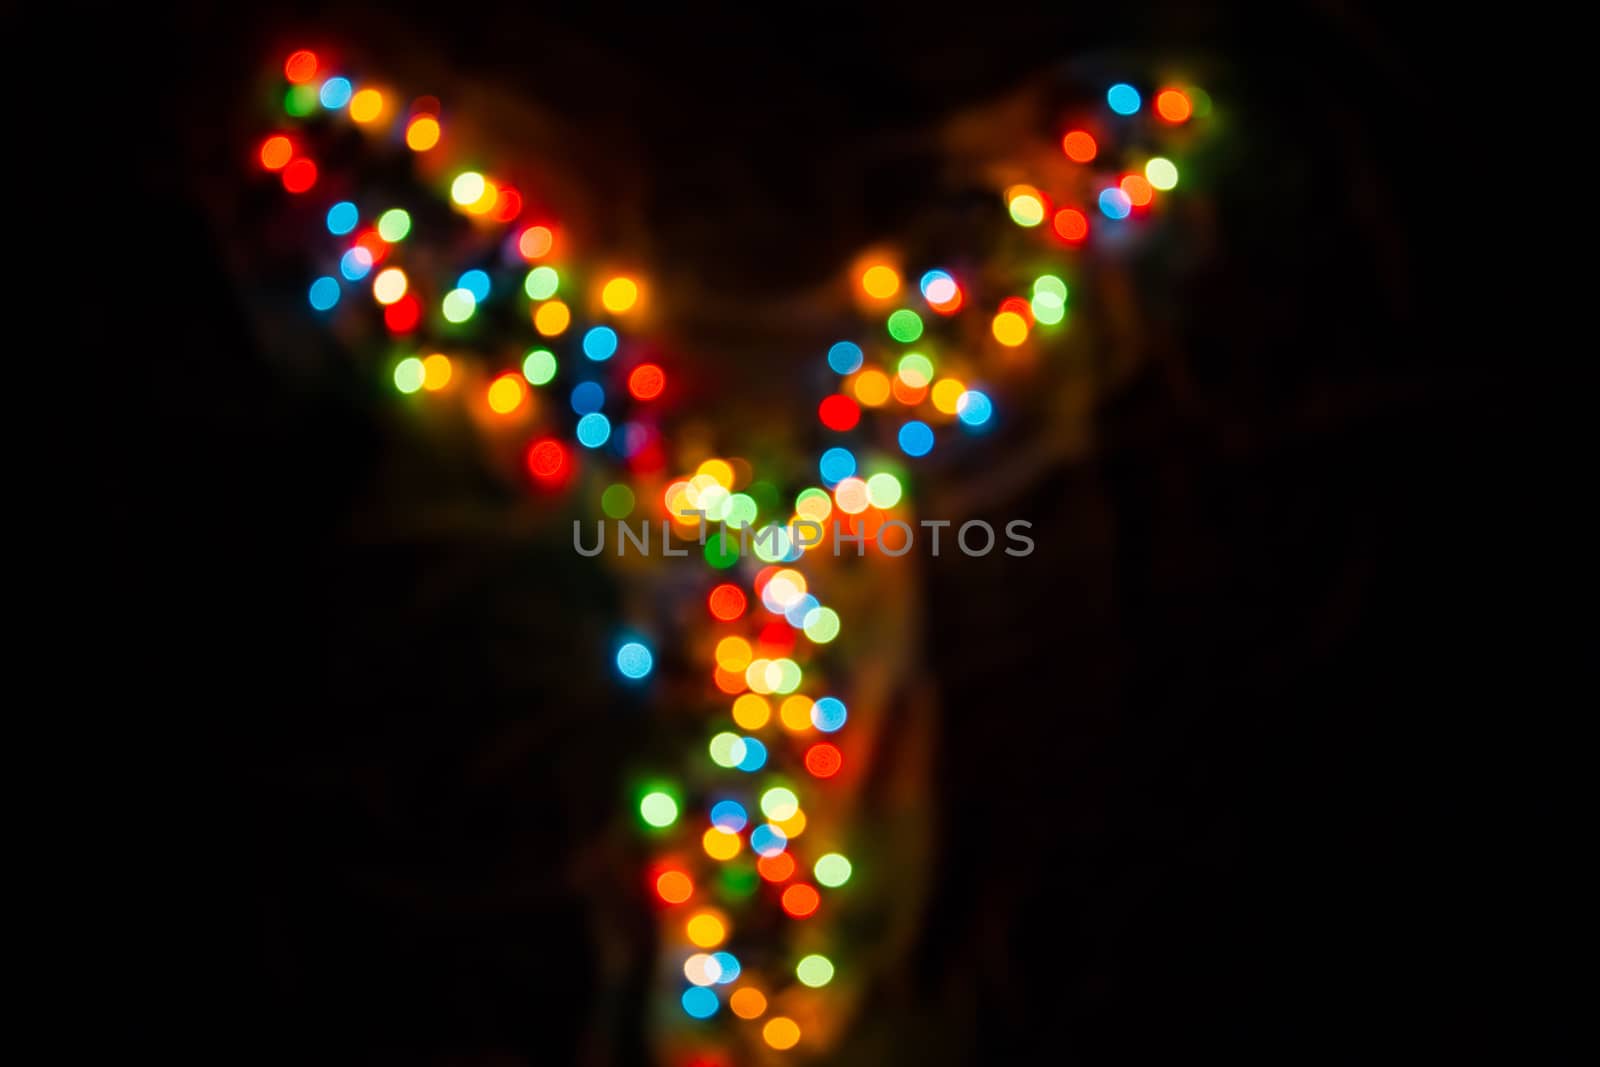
[{"x": 1295, "y": 752}]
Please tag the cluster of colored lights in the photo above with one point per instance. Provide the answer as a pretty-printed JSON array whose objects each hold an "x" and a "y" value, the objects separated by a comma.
[
  {"x": 909, "y": 378},
  {"x": 442, "y": 313},
  {"x": 784, "y": 737},
  {"x": 1118, "y": 195},
  {"x": 756, "y": 824}
]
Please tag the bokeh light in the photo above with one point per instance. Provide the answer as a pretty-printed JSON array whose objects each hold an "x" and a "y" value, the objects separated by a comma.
[
  {"x": 1137, "y": 189},
  {"x": 458, "y": 305},
  {"x": 793, "y": 826},
  {"x": 1049, "y": 305},
  {"x": 776, "y": 868},
  {"x": 422, "y": 133},
  {"x": 729, "y": 815},
  {"x": 814, "y": 970},
  {"x": 702, "y": 969},
  {"x": 795, "y": 713},
  {"x": 850, "y": 496},
  {"x": 468, "y": 188},
  {"x": 800, "y": 609},
  {"x": 904, "y": 325},
  {"x": 1161, "y": 173},
  {"x": 727, "y": 962},
  {"x": 647, "y": 381},
  {"x": 617, "y": 501},
  {"x": 619, "y": 295},
  {"x": 547, "y": 459},
  {"x": 828, "y": 714},
  {"x": 658, "y": 809},
  {"x": 872, "y": 387},
  {"x": 742, "y": 509},
  {"x": 508, "y": 205},
  {"x": 408, "y": 375},
  {"x": 535, "y": 242},
  {"x": 486, "y": 202},
  {"x": 820, "y": 624},
  {"x": 276, "y": 152},
  {"x": 1079, "y": 146},
  {"x": 916, "y": 438},
  {"x": 800, "y": 900},
  {"x": 700, "y": 1002},
  {"x": 880, "y": 281},
  {"x": 403, "y": 315},
  {"x": 727, "y": 602},
  {"x": 506, "y": 394},
  {"x": 845, "y": 357},
  {"x": 299, "y": 175},
  {"x": 814, "y": 504},
  {"x": 389, "y": 285},
  {"x": 721, "y": 552},
  {"x": 719, "y": 471},
  {"x": 335, "y": 93},
  {"x": 733, "y": 653},
  {"x": 1026, "y": 205},
  {"x": 539, "y": 366},
  {"x": 727, "y": 749},
  {"x": 1010, "y": 329},
  {"x": 768, "y": 840},
  {"x": 366, "y": 106},
  {"x": 600, "y": 343},
  {"x": 1123, "y": 98},
  {"x": 915, "y": 369},
  {"x": 720, "y": 845},
  {"x": 1114, "y": 203},
  {"x": 823, "y": 760},
  {"x": 946, "y": 394},
  {"x": 437, "y": 370},
  {"x": 475, "y": 282},
  {"x": 1071, "y": 224},
  {"x": 675, "y": 887},
  {"x": 781, "y": 1033},
  {"x": 634, "y": 660},
  {"x": 342, "y": 218},
  {"x": 541, "y": 283},
  {"x": 738, "y": 881},
  {"x": 909, "y": 395},
  {"x": 836, "y": 465},
  {"x": 748, "y": 1003},
  {"x": 324, "y": 293},
  {"x": 1173, "y": 105},
  {"x": 938, "y": 287},
  {"x": 778, "y": 803},
  {"x": 883, "y": 490},
  {"x": 839, "y": 413},
  {"x": 551, "y": 318},
  {"x": 755, "y": 756},
  {"x": 374, "y": 244},
  {"x": 706, "y": 929},
  {"x": 355, "y": 263},
  {"x": 300, "y": 100},
  {"x": 594, "y": 430},
  {"x": 974, "y": 408},
  {"x": 300, "y": 67},
  {"x": 832, "y": 870},
  {"x": 751, "y": 711}
]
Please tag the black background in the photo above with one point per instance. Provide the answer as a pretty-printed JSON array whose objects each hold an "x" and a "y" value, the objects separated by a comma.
[{"x": 1302, "y": 746}]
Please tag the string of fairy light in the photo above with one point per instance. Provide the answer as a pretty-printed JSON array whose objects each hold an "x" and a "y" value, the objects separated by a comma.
[{"x": 584, "y": 393}]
